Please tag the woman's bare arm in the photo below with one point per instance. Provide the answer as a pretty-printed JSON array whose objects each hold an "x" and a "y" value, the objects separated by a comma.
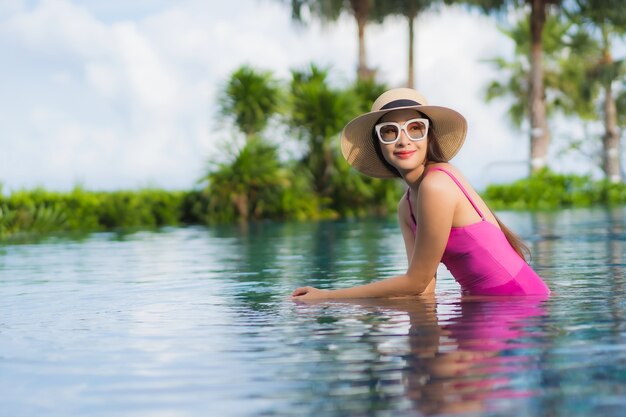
[
  {"x": 404, "y": 216},
  {"x": 436, "y": 210}
]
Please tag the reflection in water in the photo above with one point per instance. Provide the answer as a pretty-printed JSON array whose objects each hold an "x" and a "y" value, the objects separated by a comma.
[
  {"x": 196, "y": 321},
  {"x": 545, "y": 237},
  {"x": 264, "y": 255},
  {"x": 461, "y": 352},
  {"x": 615, "y": 251},
  {"x": 465, "y": 365}
]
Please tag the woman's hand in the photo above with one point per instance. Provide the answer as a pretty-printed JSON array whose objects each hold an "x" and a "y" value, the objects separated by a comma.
[{"x": 309, "y": 293}]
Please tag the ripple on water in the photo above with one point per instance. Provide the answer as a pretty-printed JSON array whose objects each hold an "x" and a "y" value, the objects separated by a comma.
[{"x": 198, "y": 322}]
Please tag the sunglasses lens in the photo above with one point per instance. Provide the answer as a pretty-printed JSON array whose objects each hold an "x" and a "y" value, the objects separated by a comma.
[
  {"x": 388, "y": 133},
  {"x": 416, "y": 129}
]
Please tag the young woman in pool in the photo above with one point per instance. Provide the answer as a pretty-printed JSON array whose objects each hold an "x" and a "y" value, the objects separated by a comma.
[{"x": 442, "y": 218}]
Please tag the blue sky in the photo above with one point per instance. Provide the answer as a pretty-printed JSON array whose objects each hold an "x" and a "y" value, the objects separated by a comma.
[{"x": 122, "y": 94}]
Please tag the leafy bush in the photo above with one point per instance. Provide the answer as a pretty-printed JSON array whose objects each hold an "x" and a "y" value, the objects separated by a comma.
[
  {"x": 39, "y": 211},
  {"x": 256, "y": 185},
  {"x": 549, "y": 190}
]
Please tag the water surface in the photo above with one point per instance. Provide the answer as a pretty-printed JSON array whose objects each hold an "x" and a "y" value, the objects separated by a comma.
[{"x": 196, "y": 322}]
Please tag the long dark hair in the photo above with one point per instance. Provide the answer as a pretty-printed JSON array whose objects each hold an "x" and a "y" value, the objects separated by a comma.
[
  {"x": 515, "y": 241},
  {"x": 434, "y": 154}
]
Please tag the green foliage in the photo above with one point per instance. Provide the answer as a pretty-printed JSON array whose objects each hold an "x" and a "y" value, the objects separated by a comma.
[
  {"x": 407, "y": 8},
  {"x": 356, "y": 195},
  {"x": 299, "y": 200},
  {"x": 620, "y": 103},
  {"x": 317, "y": 113},
  {"x": 251, "y": 97},
  {"x": 601, "y": 12},
  {"x": 255, "y": 185},
  {"x": 248, "y": 187},
  {"x": 366, "y": 92},
  {"x": 326, "y": 10},
  {"x": 548, "y": 190},
  {"x": 38, "y": 211},
  {"x": 564, "y": 71},
  {"x": 143, "y": 208}
]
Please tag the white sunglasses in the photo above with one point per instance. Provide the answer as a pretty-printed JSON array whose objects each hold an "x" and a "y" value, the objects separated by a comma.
[{"x": 389, "y": 132}]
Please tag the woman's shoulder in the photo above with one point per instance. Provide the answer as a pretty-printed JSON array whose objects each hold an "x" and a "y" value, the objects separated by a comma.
[
  {"x": 443, "y": 172},
  {"x": 439, "y": 175},
  {"x": 442, "y": 166},
  {"x": 443, "y": 179},
  {"x": 403, "y": 202}
]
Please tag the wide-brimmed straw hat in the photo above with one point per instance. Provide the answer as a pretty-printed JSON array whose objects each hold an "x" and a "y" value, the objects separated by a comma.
[{"x": 358, "y": 145}]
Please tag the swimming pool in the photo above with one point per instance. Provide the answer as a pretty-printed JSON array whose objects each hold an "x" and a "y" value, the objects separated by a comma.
[{"x": 197, "y": 322}]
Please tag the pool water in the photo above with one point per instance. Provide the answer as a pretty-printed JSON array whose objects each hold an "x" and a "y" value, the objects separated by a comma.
[{"x": 197, "y": 322}]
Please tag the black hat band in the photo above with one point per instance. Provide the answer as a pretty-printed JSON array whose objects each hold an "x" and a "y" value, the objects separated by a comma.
[{"x": 400, "y": 103}]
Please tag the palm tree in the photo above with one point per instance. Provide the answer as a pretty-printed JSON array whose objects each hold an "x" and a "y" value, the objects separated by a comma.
[
  {"x": 317, "y": 114},
  {"x": 351, "y": 192},
  {"x": 410, "y": 9},
  {"x": 563, "y": 71},
  {"x": 249, "y": 187},
  {"x": 330, "y": 10},
  {"x": 250, "y": 98},
  {"x": 539, "y": 10},
  {"x": 604, "y": 20}
]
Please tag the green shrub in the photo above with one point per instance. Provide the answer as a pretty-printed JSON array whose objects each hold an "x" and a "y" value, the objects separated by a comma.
[
  {"x": 38, "y": 211},
  {"x": 549, "y": 190}
]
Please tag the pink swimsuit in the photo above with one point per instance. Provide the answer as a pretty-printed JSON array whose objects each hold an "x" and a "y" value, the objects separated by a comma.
[{"x": 482, "y": 261}]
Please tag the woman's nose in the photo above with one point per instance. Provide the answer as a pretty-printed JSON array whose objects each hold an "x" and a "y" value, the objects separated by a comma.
[{"x": 404, "y": 138}]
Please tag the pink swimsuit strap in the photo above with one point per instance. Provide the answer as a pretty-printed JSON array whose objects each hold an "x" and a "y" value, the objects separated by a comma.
[
  {"x": 458, "y": 183},
  {"x": 481, "y": 259}
]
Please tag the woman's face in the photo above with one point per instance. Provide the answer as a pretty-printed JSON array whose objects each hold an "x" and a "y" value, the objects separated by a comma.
[{"x": 405, "y": 154}]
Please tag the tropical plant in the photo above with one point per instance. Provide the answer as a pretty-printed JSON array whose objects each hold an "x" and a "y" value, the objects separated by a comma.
[
  {"x": 366, "y": 92},
  {"x": 317, "y": 113},
  {"x": 548, "y": 190},
  {"x": 142, "y": 208},
  {"x": 250, "y": 98},
  {"x": 249, "y": 187},
  {"x": 604, "y": 21},
  {"x": 354, "y": 194},
  {"x": 330, "y": 10},
  {"x": 563, "y": 70},
  {"x": 38, "y": 212},
  {"x": 253, "y": 186},
  {"x": 410, "y": 9},
  {"x": 538, "y": 13}
]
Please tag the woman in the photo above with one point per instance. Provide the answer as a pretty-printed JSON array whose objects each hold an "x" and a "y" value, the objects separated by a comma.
[{"x": 441, "y": 216}]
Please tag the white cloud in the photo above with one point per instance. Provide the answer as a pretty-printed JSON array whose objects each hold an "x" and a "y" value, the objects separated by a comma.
[
  {"x": 104, "y": 78},
  {"x": 57, "y": 26},
  {"x": 150, "y": 81},
  {"x": 124, "y": 96}
]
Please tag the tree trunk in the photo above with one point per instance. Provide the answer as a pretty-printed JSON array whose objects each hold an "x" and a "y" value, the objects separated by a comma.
[
  {"x": 241, "y": 203},
  {"x": 327, "y": 171},
  {"x": 611, "y": 164},
  {"x": 539, "y": 134},
  {"x": 360, "y": 9},
  {"x": 411, "y": 78},
  {"x": 362, "y": 70},
  {"x": 610, "y": 140}
]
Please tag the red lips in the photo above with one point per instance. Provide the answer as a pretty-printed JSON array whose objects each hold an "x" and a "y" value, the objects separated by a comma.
[{"x": 404, "y": 154}]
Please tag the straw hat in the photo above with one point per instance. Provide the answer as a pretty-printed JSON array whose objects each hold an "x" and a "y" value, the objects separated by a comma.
[{"x": 357, "y": 143}]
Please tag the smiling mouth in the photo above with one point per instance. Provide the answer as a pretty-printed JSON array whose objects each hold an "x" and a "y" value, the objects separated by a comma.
[{"x": 404, "y": 154}]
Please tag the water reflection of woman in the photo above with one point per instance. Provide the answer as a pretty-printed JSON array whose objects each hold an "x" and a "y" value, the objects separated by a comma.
[{"x": 459, "y": 363}]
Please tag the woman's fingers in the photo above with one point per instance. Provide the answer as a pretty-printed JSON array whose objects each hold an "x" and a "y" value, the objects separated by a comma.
[{"x": 300, "y": 291}]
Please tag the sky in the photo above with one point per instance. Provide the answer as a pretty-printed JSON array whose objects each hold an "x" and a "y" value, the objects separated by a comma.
[{"x": 122, "y": 94}]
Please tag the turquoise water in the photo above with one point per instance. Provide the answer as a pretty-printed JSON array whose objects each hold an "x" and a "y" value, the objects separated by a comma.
[{"x": 197, "y": 322}]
